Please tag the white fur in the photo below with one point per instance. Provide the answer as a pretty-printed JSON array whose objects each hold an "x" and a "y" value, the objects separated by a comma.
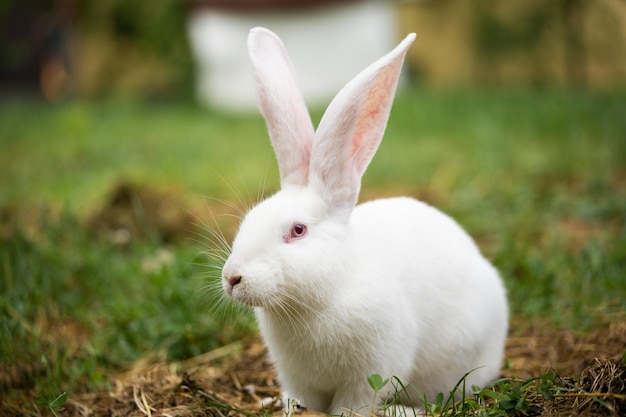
[{"x": 391, "y": 286}]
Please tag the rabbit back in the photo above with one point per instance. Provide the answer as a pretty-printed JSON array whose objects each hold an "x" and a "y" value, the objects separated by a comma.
[{"x": 435, "y": 276}]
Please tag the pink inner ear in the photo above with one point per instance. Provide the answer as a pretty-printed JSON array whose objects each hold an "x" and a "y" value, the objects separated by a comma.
[
  {"x": 373, "y": 115},
  {"x": 352, "y": 128}
]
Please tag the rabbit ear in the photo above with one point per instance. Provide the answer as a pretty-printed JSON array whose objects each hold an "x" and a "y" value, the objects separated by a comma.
[
  {"x": 289, "y": 124},
  {"x": 352, "y": 128}
]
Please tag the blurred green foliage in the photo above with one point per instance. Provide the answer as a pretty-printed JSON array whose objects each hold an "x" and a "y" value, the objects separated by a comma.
[
  {"x": 157, "y": 26},
  {"x": 146, "y": 34}
]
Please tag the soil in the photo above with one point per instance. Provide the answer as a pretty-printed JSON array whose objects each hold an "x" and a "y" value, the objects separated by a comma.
[{"x": 134, "y": 212}]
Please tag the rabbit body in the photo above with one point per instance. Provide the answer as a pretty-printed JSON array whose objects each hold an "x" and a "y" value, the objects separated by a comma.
[
  {"x": 340, "y": 291},
  {"x": 401, "y": 290}
]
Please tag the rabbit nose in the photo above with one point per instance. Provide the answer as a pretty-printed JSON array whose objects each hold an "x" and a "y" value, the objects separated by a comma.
[
  {"x": 234, "y": 280},
  {"x": 231, "y": 275}
]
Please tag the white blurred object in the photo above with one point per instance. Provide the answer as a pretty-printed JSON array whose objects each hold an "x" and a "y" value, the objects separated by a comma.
[{"x": 328, "y": 45}]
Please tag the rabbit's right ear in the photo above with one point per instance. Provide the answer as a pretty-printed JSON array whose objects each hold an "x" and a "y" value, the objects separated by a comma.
[{"x": 282, "y": 105}]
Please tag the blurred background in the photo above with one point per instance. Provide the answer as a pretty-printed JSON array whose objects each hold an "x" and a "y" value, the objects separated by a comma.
[
  {"x": 130, "y": 144},
  {"x": 81, "y": 49}
]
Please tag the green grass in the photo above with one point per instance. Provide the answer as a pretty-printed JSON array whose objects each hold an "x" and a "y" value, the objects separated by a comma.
[
  {"x": 75, "y": 308},
  {"x": 539, "y": 178},
  {"x": 547, "y": 394},
  {"x": 70, "y": 155}
]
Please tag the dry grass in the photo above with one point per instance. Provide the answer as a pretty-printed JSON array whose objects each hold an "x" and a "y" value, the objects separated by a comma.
[{"x": 233, "y": 380}]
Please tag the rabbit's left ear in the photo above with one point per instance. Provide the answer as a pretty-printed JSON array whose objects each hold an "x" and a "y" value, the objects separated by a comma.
[{"x": 352, "y": 128}]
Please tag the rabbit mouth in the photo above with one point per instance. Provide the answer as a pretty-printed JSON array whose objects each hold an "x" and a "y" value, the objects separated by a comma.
[
  {"x": 276, "y": 302},
  {"x": 237, "y": 291},
  {"x": 242, "y": 297},
  {"x": 240, "y": 292}
]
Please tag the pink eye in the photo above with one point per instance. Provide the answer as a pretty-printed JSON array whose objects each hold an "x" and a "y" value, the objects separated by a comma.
[{"x": 297, "y": 231}]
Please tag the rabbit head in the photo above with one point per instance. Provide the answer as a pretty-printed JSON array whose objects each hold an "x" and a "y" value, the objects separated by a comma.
[{"x": 291, "y": 245}]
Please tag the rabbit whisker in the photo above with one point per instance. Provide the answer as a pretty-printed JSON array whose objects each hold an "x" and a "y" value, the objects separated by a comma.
[{"x": 292, "y": 312}]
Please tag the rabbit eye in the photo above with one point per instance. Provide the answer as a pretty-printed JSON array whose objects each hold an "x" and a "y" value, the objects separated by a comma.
[{"x": 297, "y": 231}]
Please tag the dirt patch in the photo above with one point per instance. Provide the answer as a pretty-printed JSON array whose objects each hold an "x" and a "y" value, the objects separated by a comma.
[
  {"x": 136, "y": 212},
  {"x": 537, "y": 349},
  {"x": 233, "y": 377},
  {"x": 608, "y": 376},
  {"x": 590, "y": 368}
]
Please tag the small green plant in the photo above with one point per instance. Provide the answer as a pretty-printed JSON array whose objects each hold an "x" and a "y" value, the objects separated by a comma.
[
  {"x": 377, "y": 383},
  {"x": 53, "y": 404}
]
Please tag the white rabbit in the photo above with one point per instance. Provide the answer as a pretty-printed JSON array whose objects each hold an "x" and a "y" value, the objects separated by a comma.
[{"x": 392, "y": 286}]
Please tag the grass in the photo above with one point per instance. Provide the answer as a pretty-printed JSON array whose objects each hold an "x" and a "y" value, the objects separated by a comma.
[
  {"x": 591, "y": 394},
  {"x": 71, "y": 154},
  {"x": 75, "y": 308},
  {"x": 539, "y": 178}
]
